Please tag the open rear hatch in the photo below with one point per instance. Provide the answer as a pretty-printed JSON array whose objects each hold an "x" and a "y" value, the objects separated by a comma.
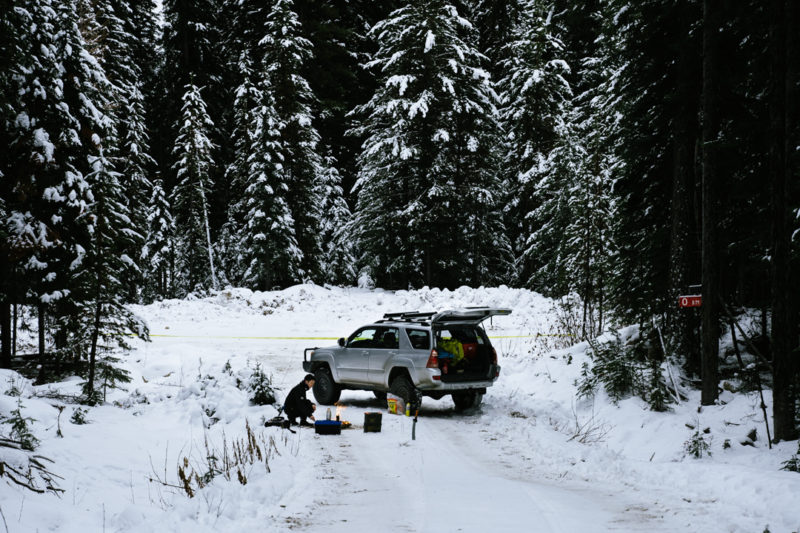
[
  {"x": 468, "y": 315},
  {"x": 464, "y": 350}
]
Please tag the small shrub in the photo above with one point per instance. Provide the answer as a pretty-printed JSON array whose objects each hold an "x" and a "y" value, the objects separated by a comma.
[
  {"x": 20, "y": 428},
  {"x": 568, "y": 321},
  {"x": 587, "y": 384},
  {"x": 697, "y": 445},
  {"x": 657, "y": 389},
  {"x": 793, "y": 464},
  {"x": 14, "y": 388},
  {"x": 624, "y": 369},
  {"x": 614, "y": 368},
  {"x": 79, "y": 416},
  {"x": 233, "y": 459},
  {"x": 260, "y": 387}
]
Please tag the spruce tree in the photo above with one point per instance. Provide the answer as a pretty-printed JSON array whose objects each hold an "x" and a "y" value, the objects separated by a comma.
[
  {"x": 118, "y": 54},
  {"x": 105, "y": 319},
  {"x": 269, "y": 248},
  {"x": 247, "y": 101},
  {"x": 428, "y": 205},
  {"x": 536, "y": 100},
  {"x": 158, "y": 252},
  {"x": 193, "y": 54},
  {"x": 339, "y": 254},
  {"x": 649, "y": 151},
  {"x": 14, "y": 26},
  {"x": 190, "y": 197},
  {"x": 285, "y": 52}
]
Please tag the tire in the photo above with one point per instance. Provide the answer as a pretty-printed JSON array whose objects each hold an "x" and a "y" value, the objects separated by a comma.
[
  {"x": 379, "y": 394},
  {"x": 326, "y": 391},
  {"x": 467, "y": 400},
  {"x": 402, "y": 387}
]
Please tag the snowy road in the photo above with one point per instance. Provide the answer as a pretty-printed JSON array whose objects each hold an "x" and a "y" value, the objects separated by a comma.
[
  {"x": 450, "y": 478},
  {"x": 460, "y": 474}
]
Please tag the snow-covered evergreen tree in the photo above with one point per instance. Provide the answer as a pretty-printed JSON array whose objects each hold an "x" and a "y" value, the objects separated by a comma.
[
  {"x": 248, "y": 100},
  {"x": 119, "y": 61},
  {"x": 60, "y": 133},
  {"x": 106, "y": 320},
  {"x": 589, "y": 149},
  {"x": 496, "y": 20},
  {"x": 338, "y": 244},
  {"x": 285, "y": 51},
  {"x": 136, "y": 164},
  {"x": 268, "y": 246},
  {"x": 15, "y": 26},
  {"x": 536, "y": 100},
  {"x": 428, "y": 193},
  {"x": 158, "y": 252},
  {"x": 190, "y": 197}
]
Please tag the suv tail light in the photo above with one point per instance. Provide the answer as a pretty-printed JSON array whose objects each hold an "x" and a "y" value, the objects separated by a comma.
[
  {"x": 433, "y": 360},
  {"x": 494, "y": 356}
]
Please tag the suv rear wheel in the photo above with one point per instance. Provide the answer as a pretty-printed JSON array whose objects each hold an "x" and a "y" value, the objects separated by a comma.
[
  {"x": 467, "y": 400},
  {"x": 326, "y": 391}
]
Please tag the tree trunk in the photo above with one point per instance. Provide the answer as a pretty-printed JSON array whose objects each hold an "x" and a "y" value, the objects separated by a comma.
[
  {"x": 93, "y": 350},
  {"x": 712, "y": 27},
  {"x": 40, "y": 321},
  {"x": 5, "y": 334},
  {"x": 783, "y": 409},
  {"x": 792, "y": 173},
  {"x": 14, "y": 332},
  {"x": 208, "y": 241}
]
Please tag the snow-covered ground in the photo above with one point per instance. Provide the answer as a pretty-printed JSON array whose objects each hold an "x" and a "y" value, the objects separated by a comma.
[{"x": 515, "y": 465}]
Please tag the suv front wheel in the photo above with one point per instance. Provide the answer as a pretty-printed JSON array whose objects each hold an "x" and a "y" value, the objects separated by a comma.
[{"x": 326, "y": 391}]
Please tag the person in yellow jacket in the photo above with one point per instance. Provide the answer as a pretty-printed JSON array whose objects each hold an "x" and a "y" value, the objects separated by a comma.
[{"x": 453, "y": 347}]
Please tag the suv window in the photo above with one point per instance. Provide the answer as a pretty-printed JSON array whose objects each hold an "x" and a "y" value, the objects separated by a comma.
[
  {"x": 388, "y": 338},
  {"x": 363, "y": 338},
  {"x": 419, "y": 338},
  {"x": 463, "y": 334},
  {"x": 375, "y": 337}
]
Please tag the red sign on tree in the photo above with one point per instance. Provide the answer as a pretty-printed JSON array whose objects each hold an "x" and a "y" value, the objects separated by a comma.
[{"x": 691, "y": 300}]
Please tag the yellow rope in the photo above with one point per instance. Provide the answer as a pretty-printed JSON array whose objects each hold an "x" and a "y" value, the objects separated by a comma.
[{"x": 334, "y": 338}]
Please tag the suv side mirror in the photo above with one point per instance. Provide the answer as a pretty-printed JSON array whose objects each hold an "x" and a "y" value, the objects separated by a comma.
[{"x": 341, "y": 342}]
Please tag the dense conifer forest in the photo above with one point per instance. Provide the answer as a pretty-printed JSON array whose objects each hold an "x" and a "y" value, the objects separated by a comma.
[{"x": 620, "y": 153}]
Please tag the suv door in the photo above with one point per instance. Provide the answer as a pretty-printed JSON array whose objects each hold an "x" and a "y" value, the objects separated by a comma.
[
  {"x": 352, "y": 361},
  {"x": 385, "y": 346}
]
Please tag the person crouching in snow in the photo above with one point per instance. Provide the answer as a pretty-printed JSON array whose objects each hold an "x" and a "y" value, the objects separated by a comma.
[{"x": 296, "y": 404}]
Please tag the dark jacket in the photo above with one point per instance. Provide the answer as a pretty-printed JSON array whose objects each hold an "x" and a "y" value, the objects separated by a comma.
[{"x": 296, "y": 402}]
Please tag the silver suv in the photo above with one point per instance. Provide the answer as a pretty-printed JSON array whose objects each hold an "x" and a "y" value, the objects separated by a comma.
[{"x": 411, "y": 354}]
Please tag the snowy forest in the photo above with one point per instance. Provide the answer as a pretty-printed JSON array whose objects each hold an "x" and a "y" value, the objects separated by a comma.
[{"x": 616, "y": 153}]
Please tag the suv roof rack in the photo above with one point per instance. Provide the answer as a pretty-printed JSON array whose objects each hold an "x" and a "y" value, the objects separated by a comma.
[{"x": 408, "y": 316}]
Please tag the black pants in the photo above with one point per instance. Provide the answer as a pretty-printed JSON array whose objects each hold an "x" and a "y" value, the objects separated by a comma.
[{"x": 305, "y": 410}]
